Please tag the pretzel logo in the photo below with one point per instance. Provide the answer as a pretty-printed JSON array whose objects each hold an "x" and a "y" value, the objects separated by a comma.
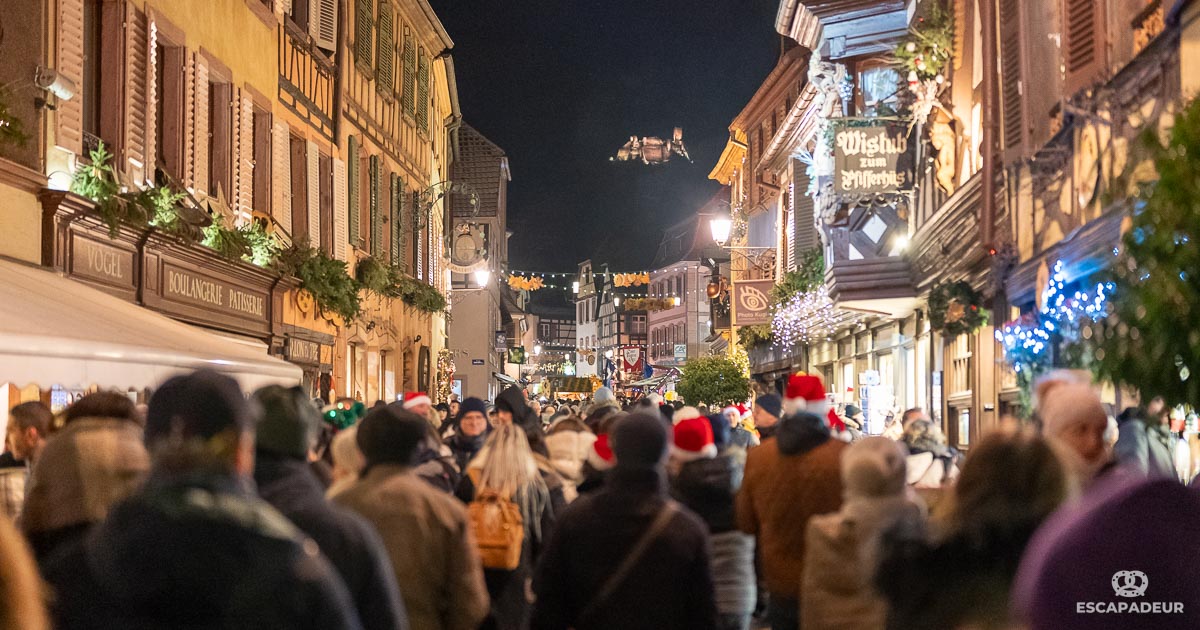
[{"x": 1130, "y": 583}]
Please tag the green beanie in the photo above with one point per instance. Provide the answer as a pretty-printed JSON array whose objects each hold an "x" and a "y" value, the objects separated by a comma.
[{"x": 289, "y": 421}]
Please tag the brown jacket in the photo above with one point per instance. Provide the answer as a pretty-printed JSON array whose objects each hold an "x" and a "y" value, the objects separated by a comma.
[
  {"x": 779, "y": 494},
  {"x": 430, "y": 545}
]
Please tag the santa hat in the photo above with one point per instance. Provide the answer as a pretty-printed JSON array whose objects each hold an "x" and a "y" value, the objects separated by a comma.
[
  {"x": 805, "y": 392},
  {"x": 743, "y": 411},
  {"x": 693, "y": 440},
  {"x": 685, "y": 413},
  {"x": 601, "y": 456},
  {"x": 835, "y": 421},
  {"x": 416, "y": 399}
]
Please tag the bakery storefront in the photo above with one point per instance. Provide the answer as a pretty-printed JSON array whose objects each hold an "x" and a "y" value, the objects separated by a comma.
[{"x": 127, "y": 308}]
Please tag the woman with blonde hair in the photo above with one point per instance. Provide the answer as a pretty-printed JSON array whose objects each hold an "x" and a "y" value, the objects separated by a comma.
[{"x": 507, "y": 467}]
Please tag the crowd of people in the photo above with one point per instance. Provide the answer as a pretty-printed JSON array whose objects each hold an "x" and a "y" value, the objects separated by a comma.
[{"x": 211, "y": 509}]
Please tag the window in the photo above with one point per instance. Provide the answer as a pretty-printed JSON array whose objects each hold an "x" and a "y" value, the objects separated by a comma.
[
  {"x": 878, "y": 86},
  {"x": 103, "y": 25},
  {"x": 385, "y": 53},
  {"x": 325, "y": 169},
  {"x": 364, "y": 25},
  {"x": 220, "y": 139},
  {"x": 408, "y": 88},
  {"x": 638, "y": 324},
  {"x": 300, "y": 13},
  {"x": 169, "y": 87},
  {"x": 422, "y": 91},
  {"x": 262, "y": 159},
  {"x": 544, "y": 331},
  {"x": 299, "y": 178}
]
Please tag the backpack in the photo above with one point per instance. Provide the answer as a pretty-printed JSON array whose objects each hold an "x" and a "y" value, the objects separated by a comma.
[{"x": 499, "y": 530}]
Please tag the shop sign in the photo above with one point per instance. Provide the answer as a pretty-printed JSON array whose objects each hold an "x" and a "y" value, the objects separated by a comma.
[
  {"x": 102, "y": 263},
  {"x": 680, "y": 352},
  {"x": 189, "y": 286},
  {"x": 301, "y": 351},
  {"x": 751, "y": 302},
  {"x": 501, "y": 341},
  {"x": 872, "y": 157},
  {"x": 516, "y": 355}
]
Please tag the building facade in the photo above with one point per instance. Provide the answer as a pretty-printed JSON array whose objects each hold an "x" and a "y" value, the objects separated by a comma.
[
  {"x": 325, "y": 123},
  {"x": 679, "y": 322},
  {"x": 587, "y": 312},
  {"x": 479, "y": 252}
]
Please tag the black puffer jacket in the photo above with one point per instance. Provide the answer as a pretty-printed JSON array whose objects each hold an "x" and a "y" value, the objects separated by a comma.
[{"x": 708, "y": 487}]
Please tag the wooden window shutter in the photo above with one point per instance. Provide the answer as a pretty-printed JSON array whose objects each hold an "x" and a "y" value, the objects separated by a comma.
[
  {"x": 152, "y": 97},
  {"x": 1011, "y": 80},
  {"x": 422, "y": 92},
  {"x": 364, "y": 25},
  {"x": 69, "y": 115},
  {"x": 136, "y": 63},
  {"x": 322, "y": 23},
  {"x": 408, "y": 97},
  {"x": 376, "y": 219},
  {"x": 385, "y": 55},
  {"x": 312, "y": 157},
  {"x": 243, "y": 171},
  {"x": 198, "y": 179},
  {"x": 340, "y": 210},
  {"x": 397, "y": 220},
  {"x": 281, "y": 167},
  {"x": 1083, "y": 43},
  {"x": 803, "y": 208},
  {"x": 353, "y": 180}
]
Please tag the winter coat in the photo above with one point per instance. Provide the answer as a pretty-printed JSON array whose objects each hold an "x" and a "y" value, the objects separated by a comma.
[
  {"x": 83, "y": 470},
  {"x": 348, "y": 541},
  {"x": 789, "y": 478},
  {"x": 465, "y": 448},
  {"x": 1146, "y": 449},
  {"x": 569, "y": 448},
  {"x": 708, "y": 487},
  {"x": 669, "y": 588},
  {"x": 430, "y": 545},
  {"x": 435, "y": 464},
  {"x": 199, "y": 552},
  {"x": 506, "y": 589},
  {"x": 742, "y": 437},
  {"x": 839, "y": 566}
]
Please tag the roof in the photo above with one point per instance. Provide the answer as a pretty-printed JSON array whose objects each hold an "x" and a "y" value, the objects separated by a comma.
[
  {"x": 731, "y": 158},
  {"x": 858, "y": 27},
  {"x": 483, "y": 166},
  {"x": 687, "y": 239}
]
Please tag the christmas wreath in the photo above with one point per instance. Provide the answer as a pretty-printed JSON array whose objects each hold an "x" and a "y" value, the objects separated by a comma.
[{"x": 955, "y": 308}]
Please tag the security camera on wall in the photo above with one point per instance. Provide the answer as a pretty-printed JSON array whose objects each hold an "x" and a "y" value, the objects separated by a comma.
[{"x": 54, "y": 82}]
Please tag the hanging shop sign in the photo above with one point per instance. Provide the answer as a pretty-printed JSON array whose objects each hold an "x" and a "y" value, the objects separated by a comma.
[
  {"x": 516, "y": 355},
  {"x": 752, "y": 302},
  {"x": 501, "y": 341},
  {"x": 631, "y": 359},
  {"x": 872, "y": 156},
  {"x": 303, "y": 351}
]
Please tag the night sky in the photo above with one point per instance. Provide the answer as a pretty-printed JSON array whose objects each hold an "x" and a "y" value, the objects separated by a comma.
[{"x": 560, "y": 85}]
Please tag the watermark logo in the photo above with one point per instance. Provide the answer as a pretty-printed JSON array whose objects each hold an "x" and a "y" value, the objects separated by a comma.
[{"x": 1130, "y": 583}]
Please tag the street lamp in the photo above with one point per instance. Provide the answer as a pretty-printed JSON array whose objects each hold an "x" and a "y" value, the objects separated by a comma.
[
  {"x": 720, "y": 227},
  {"x": 537, "y": 350},
  {"x": 482, "y": 276},
  {"x": 617, "y": 301}
]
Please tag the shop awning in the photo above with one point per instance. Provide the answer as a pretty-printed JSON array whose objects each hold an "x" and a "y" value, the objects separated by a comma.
[
  {"x": 504, "y": 378},
  {"x": 572, "y": 384},
  {"x": 56, "y": 331}
]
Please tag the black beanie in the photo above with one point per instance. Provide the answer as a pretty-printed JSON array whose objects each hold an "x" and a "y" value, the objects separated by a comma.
[
  {"x": 198, "y": 405},
  {"x": 289, "y": 421},
  {"x": 639, "y": 441},
  {"x": 471, "y": 404},
  {"x": 389, "y": 435}
]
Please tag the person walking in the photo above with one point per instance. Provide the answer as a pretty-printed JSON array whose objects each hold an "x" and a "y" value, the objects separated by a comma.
[
  {"x": 1144, "y": 445},
  {"x": 842, "y": 549},
  {"x": 961, "y": 576},
  {"x": 96, "y": 460},
  {"x": 1074, "y": 422},
  {"x": 194, "y": 546},
  {"x": 470, "y": 430},
  {"x": 506, "y": 469},
  {"x": 286, "y": 432},
  {"x": 705, "y": 477},
  {"x": 569, "y": 442},
  {"x": 347, "y": 461},
  {"x": 626, "y": 556},
  {"x": 28, "y": 426},
  {"x": 424, "y": 530},
  {"x": 790, "y": 478}
]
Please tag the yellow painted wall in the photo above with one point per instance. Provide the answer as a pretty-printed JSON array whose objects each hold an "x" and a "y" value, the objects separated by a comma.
[
  {"x": 1189, "y": 50},
  {"x": 250, "y": 51},
  {"x": 20, "y": 225}
]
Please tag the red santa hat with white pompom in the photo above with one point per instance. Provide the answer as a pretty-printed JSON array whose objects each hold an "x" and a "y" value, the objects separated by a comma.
[{"x": 805, "y": 392}]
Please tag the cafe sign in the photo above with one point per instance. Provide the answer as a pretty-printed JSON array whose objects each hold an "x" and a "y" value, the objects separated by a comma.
[
  {"x": 872, "y": 156},
  {"x": 751, "y": 302},
  {"x": 303, "y": 351}
]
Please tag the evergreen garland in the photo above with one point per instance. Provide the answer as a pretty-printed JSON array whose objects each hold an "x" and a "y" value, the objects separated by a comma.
[
  {"x": 929, "y": 45},
  {"x": 955, "y": 308},
  {"x": 325, "y": 278}
]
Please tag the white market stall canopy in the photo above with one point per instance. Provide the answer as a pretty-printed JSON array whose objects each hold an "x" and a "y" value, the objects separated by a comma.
[{"x": 56, "y": 331}]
